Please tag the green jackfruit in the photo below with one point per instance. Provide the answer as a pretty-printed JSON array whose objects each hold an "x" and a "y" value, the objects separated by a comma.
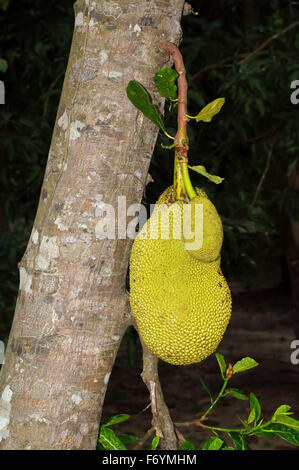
[{"x": 179, "y": 299}]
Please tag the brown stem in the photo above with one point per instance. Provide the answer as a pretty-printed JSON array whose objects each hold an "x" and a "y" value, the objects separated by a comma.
[
  {"x": 162, "y": 421},
  {"x": 181, "y": 139}
]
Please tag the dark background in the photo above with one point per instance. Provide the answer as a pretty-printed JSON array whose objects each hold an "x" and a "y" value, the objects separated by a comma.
[{"x": 252, "y": 143}]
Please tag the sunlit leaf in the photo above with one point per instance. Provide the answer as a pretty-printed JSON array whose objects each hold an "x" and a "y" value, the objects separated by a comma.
[
  {"x": 209, "y": 111},
  {"x": 201, "y": 169}
]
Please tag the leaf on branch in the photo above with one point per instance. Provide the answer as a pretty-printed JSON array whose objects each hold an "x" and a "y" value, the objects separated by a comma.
[
  {"x": 115, "y": 419},
  {"x": 138, "y": 95},
  {"x": 109, "y": 440},
  {"x": 255, "y": 409},
  {"x": 155, "y": 442},
  {"x": 209, "y": 111},
  {"x": 244, "y": 364},
  {"x": 221, "y": 363},
  {"x": 201, "y": 169},
  {"x": 165, "y": 82},
  {"x": 235, "y": 392},
  {"x": 188, "y": 446},
  {"x": 214, "y": 443}
]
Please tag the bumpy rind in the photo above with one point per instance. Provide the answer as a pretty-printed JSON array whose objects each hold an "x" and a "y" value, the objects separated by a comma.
[{"x": 181, "y": 305}]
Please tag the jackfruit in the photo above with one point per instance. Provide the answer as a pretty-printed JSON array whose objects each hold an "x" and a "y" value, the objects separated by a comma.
[{"x": 180, "y": 301}]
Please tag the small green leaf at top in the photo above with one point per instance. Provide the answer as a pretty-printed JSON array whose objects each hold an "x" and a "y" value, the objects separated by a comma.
[
  {"x": 3, "y": 65},
  {"x": 201, "y": 169},
  {"x": 255, "y": 409},
  {"x": 155, "y": 442},
  {"x": 282, "y": 410},
  {"x": 188, "y": 446},
  {"x": 221, "y": 363},
  {"x": 139, "y": 97},
  {"x": 209, "y": 111},
  {"x": 109, "y": 440},
  {"x": 115, "y": 419},
  {"x": 165, "y": 82},
  {"x": 244, "y": 364}
]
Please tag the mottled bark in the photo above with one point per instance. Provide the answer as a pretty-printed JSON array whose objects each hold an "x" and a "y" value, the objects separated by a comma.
[{"x": 72, "y": 308}]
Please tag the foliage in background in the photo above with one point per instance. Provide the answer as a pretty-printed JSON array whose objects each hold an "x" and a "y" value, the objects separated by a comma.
[
  {"x": 34, "y": 43},
  {"x": 255, "y": 133},
  {"x": 280, "y": 424}
]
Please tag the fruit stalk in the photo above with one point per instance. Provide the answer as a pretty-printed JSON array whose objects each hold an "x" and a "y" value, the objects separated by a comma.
[{"x": 183, "y": 188}]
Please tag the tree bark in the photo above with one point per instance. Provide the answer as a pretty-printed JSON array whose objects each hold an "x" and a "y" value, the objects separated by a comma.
[{"x": 72, "y": 308}]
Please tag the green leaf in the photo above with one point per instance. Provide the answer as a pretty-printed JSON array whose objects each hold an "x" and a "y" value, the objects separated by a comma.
[
  {"x": 287, "y": 421},
  {"x": 3, "y": 65},
  {"x": 127, "y": 438},
  {"x": 238, "y": 440},
  {"x": 214, "y": 443},
  {"x": 227, "y": 448},
  {"x": 165, "y": 81},
  {"x": 155, "y": 442},
  {"x": 115, "y": 419},
  {"x": 282, "y": 410},
  {"x": 284, "y": 432},
  {"x": 201, "y": 169},
  {"x": 109, "y": 440},
  {"x": 255, "y": 409},
  {"x": 140, "y": 99},
  {"x": 221, "y": 363},
  {"x": 244, "y": 364},
  {"x": 188, "y": 446},
  {"x": 209, "y": 111},
  {"x": 204, "y": 385},
  {"x": 287, "y": 433},
  {"x": 235, "y": 392}
]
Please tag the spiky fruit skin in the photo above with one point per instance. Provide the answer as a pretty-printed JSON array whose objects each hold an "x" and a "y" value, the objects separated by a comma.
[
  {"x": 181, "y": 305},
  {"x": 210, "y": 226}
]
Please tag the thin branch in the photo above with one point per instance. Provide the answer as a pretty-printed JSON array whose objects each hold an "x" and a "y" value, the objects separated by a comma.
[
  {"x": 145, "y": 438},
  {"x": 272, "y": 38},
  {"x": 162, "y": 422},
  {"x": 259, "y": 186}
]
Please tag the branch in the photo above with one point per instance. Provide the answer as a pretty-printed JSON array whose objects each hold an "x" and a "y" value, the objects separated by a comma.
[{"x": 161, "y": 421}]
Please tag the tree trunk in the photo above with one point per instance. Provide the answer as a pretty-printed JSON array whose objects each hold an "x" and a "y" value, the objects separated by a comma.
[{"x": 72, "y": 308}]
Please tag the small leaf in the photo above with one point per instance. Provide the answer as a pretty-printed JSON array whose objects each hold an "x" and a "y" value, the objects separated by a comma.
[
  {"x": 227, "y": 448},
  {"x": 140, "y": 99},
  {"x": 255, "y": 409},
  {"x": 165, "y": 81},
  {"x": 115, "y": 419},
  {"x": 238, "y": 440},
  {"x": 282, "y": 410},
  {"x": 204, "y": 385},
  {"x": 235, "y": 392},
  {"x": 214, "y": 443},
  {"x": 3, "y": 65},
  {"x": 244, "y": 364},
  {"x": 188, "y": 446},
  {"x": 155, "y": 442},
  {"x": 221, "y": 363},
  {"x": 201, "y": 169},
  {"x": 109, "y": 440},
  {"x": 209, "y": 111}
]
